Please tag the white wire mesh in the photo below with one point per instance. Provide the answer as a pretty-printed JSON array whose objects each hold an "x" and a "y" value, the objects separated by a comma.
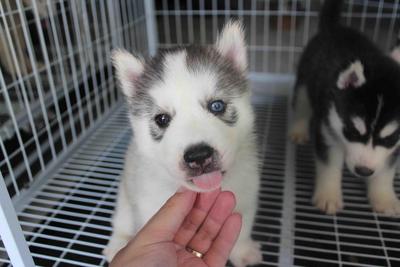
[
  {"x": 56, "y": 87},
  {"x": 276, "y": 30},
  {"x": 59, "y": 79}
]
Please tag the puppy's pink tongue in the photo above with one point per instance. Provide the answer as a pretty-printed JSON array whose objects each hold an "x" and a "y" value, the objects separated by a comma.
[{"x": 208, "y": 180}]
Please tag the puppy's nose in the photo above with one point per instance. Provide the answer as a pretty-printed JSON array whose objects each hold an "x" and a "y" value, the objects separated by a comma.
[
  {"x": 198, "y": 155},
  {"x": 363, "y": 171}
]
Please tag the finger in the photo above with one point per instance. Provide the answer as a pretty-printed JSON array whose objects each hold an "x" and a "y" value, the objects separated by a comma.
[
  {"x": 166, "y": 222},
  {"x": 193, "y": 221},
  {"x": 219, "y": 251},
  {"x": 222, "y": 208}
]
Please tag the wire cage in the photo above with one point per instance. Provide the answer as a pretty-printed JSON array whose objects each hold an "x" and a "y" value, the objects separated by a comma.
[{"x": 64, "y": 129}]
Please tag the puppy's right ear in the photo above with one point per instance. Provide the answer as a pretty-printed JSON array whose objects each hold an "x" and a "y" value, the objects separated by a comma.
[{"x": 128, "y": 68}]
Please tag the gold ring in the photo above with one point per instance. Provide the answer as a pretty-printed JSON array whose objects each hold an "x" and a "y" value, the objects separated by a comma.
[{"x": 194, "y": 252}]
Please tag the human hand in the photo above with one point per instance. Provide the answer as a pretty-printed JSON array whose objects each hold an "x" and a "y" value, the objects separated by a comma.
[{"x": 203, "y": 222}]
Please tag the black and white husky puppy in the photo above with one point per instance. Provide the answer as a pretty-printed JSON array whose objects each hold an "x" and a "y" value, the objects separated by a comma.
[
  {"x": 349, "y": 92},
  {"x": 193, "y": 126}
]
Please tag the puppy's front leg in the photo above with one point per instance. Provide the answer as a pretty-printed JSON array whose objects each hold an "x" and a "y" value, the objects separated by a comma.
[
  {"x": 246, "y": 251},
  {"x": 328, "y": 185},
  {"x": 123, "y": 225},
  {"x": 381, "y": 193}
]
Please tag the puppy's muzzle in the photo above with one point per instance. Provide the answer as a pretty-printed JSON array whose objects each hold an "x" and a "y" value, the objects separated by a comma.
[{"x": 198, "y": 156}]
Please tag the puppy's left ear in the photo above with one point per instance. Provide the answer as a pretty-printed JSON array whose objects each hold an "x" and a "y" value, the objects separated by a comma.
[
  {"x": 352, "y": 77},
  {"x": 231, "y": 44}
]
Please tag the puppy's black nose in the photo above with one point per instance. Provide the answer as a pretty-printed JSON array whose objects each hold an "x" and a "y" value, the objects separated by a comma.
[
  {"x": 198, "y": 155},
  {"x": 363, "y": 171}
]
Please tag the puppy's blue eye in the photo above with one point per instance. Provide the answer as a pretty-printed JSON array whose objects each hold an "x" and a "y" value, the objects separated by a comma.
[{"x": 217, "y": 106}]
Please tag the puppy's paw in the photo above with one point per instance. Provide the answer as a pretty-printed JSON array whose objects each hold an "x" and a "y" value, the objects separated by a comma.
[
  {"x": 115, "y": 244},
  {"x": 328, "y": 200},
  {"x": 109, "y": 252},
  {"x": 299, "y": 132},
  {"x": 386, "y": 204},
  {"x": 246, "y": 253}
]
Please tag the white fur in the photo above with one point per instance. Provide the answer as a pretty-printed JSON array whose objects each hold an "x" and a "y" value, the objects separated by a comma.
[
  {"x": 152, "y": 171},
  {"x": 359, "y": 124},
  {"x": 358, "y": 69},
  {"x": 328, "y": 188},
  {"x": 389, "y": 129},
  {"x": 231, "y": 44},
  {"x": 381, "y": 193},
  {"x": 378, "y": 111}
]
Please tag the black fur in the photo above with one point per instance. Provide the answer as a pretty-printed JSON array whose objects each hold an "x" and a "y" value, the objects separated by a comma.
[{"x": 330, "y": 52}]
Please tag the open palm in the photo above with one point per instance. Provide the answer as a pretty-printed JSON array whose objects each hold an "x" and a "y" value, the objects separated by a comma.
[{"x": 203, "y": 222}]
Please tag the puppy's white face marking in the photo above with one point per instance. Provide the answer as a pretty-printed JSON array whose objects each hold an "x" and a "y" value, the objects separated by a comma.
[
  {"x": 353, "y": 76},
  {"x": 378, "y": 111},
  {"x": 359, "y": 124},
  {"x": 389, "y": 129},
  {"x": 358, "y": 154}
]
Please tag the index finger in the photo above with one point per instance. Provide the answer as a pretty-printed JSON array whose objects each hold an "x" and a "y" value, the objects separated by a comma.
[
  {"x": 166, "y": 222},
  {"x": 196, "y": 217}
]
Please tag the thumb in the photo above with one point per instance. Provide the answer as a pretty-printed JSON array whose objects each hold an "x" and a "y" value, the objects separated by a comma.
[{"x": 166, "y": 222}]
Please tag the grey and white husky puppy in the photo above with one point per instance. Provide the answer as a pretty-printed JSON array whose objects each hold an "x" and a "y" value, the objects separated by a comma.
[{"x": 192, "y": 126}]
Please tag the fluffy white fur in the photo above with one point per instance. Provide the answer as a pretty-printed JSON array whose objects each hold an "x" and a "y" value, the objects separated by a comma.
[{"x": 152, "y": 170}]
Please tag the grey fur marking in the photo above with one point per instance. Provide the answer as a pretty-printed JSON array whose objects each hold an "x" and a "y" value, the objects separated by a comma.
[
  {"x": 231, "y": 82},
  {"x": 156, "y": 132},
  {"x": 230, "y": 116}
]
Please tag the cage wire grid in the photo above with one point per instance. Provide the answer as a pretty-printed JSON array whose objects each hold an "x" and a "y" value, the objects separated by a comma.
[{"x": 63, "y": 132}]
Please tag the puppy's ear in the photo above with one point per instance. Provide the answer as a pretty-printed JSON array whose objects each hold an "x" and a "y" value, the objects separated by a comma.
[
  {"x": 352, "y": 77},
  {"x": 231, "y": 44},
  {"x": 128, "y": 69}
]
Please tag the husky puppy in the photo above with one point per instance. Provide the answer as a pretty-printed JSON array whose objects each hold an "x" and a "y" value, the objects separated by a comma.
[
  {"x": 349, "y": 90},
  {"x": 192, "y": 124}
]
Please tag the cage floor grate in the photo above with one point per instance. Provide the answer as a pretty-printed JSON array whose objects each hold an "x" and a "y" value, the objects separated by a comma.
[{"x": 67, "y": 222}]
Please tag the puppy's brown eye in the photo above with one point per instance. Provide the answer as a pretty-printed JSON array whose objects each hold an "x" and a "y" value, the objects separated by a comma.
[{"x": 162, "y": 120}]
